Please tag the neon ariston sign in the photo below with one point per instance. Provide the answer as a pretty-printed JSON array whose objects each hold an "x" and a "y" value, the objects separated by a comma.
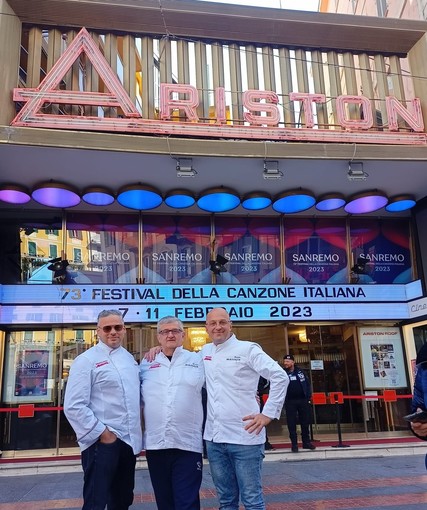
[{"x": 262, "y": 114}]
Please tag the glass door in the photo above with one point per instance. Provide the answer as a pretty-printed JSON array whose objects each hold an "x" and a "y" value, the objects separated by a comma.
[{"x": 328, "y": 354}]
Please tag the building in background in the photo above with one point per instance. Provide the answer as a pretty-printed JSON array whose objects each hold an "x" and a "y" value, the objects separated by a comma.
[
  {"x": 166, "y": 159},
  {"x": 416, "y": 9}
]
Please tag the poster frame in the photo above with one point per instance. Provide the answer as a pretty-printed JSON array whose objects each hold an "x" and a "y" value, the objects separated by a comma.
[{"x": 387, "y": 341}]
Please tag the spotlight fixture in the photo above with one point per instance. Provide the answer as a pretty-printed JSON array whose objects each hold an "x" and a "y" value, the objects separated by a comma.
[
  {"x": 400, "y": 203},
  {"x": 256, "y": 201},
  {"x": 14, "y": 194},
  {"x": 356, "y": 172},
  {"x": 293, "y": 201},
  {"x": 330, "y": 202},
  {"x": 96, "y": 195},
  {"x": 271, "y": 170},
  {"x": 56, "y": 194},
  {"x": 217, "y": 200},
  {"x": 366, "y": 202},
  {"x": 139, "y": 196},
  {"x": 59, "y": 268},
  {"x": 217, "y": 265},
  {"x": 360, "y": 266},
  {"x": 184, "y": 167},
  {"x": 179, "y": 199}
]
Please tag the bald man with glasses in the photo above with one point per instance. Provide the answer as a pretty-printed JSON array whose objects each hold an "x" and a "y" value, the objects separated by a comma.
[
  {"x": 102, "y": 404},
  {"x": 171, "y": 390}
]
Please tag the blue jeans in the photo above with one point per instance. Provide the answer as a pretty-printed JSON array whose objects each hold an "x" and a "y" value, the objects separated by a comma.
[
  {"x": 236, "y": 472},
  {"x": 109, "y": 476}
]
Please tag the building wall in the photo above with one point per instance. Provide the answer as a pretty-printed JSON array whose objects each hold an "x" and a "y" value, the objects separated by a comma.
[{"x": 415, "y": 9}]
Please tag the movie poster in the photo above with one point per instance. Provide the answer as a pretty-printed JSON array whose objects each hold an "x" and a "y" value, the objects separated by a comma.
[{"x": 29, "y": 374}]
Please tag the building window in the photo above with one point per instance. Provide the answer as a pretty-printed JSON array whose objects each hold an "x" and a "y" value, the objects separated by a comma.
[
  {"x": 77, "y": 255},
  {"x": 32, "y": 249},
  {"x": 53, "y": 251},
  {"x": 75, "y": 234},
  {"x": 79, "y": 336},
  {"x": 52, "y": 232},
  {"x": 28, "y": 337}
]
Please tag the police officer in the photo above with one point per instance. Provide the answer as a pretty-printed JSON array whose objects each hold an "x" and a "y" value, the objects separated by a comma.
[{"x": 297, "y": 404}]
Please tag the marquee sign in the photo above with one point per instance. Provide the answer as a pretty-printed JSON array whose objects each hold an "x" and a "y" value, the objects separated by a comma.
[
  {"x": 261, "y": 114},
  {"x": 76, "y": 304}
]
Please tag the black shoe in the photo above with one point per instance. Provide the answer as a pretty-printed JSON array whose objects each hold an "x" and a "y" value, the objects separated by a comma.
[
  {"x": 294, "y": 449},
  {"x": 308, "y": 446},
  {"x": 268, "y": 446}
]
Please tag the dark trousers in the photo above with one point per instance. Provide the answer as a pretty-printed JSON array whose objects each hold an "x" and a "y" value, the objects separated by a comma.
[
  {"x": 176, "y": 476},
  {"x": 109, "y": 476},
  {"x": 298, "y": 410}
]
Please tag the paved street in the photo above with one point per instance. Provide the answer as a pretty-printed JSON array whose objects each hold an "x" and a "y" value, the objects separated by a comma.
[{"x": 377, "y": 483}]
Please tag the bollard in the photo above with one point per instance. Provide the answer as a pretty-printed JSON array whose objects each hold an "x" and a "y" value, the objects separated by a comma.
[{"x": 337, "y": 398}]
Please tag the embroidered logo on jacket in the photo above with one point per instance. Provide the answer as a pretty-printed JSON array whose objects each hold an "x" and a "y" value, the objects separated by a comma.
[
  {"x": 155, "y": 365},
  {"x": 208, "y": 358},
  {"x": 193, "y": 365},
  {"x": 102, "y": 363}
]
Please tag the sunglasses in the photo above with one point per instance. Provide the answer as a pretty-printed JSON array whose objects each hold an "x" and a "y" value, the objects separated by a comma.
[{"x": 117, "y": 327}]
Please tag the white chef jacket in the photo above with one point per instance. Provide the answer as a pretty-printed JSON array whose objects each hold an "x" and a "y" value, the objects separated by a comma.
[
  {"x": 232, "y": 373},
  {"x": 103, "y": 391},
  {"x": 172, "y": 401}
]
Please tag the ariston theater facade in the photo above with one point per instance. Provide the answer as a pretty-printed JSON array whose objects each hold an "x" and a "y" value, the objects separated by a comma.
[{"x": 164, "y": 158}]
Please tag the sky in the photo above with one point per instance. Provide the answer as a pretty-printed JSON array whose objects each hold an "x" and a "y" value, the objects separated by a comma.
[{"x": 301, "y": 5}]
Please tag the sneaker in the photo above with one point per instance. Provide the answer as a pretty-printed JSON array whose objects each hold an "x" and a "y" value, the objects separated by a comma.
[
  {"x": 294, "y": 449},
  {"x": 309, "y": 446},
  {"x": 268, "y": 446}
]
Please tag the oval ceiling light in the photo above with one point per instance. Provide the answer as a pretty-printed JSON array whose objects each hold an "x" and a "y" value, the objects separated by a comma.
[
  {"x": 293, "y": 201},
  {"x": 56, "y": 194},
  {"x": 14, "y": 194},
  {"x": 96, "y": 195},
  {"x": 330, "y": 202},
  {"x": 400, "y": 203},
  {"x": 139, "y": 196},
  {"x": 179, "y": 199},
  {"x": 369, "y": 201},
  {"x": 216, "y": 200},
  {"x": 256, "y": 201}
]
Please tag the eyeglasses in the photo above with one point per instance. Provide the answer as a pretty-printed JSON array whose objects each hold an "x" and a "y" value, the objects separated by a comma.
[
  {"x": 213, "y": 324},
  {"x": 165, "y": 332},
  {"x": 107, "y": 329}
]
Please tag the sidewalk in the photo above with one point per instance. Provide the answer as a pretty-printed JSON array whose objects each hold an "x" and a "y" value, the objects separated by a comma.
[
  {"x": 374, "y": 483},
  {"x": 326, "y": 449}
]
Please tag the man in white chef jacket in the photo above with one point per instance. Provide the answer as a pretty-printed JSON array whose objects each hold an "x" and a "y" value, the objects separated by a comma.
[
  {"x": 235, "y": 428},
  {"x": 171, "y": 387}
]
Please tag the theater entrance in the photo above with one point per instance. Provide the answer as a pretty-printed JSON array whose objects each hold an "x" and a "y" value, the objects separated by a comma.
[{"x": 329, "y": 353}]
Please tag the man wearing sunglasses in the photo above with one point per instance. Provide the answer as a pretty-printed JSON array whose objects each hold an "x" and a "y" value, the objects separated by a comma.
[
  {"x": 171, "y": 389},
  {"x": 102, "y": 404}
]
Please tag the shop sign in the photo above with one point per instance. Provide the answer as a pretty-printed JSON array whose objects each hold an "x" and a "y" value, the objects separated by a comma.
[
  {"x": 316, "y": 364},
  {"x": 262, "y": 114}
]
